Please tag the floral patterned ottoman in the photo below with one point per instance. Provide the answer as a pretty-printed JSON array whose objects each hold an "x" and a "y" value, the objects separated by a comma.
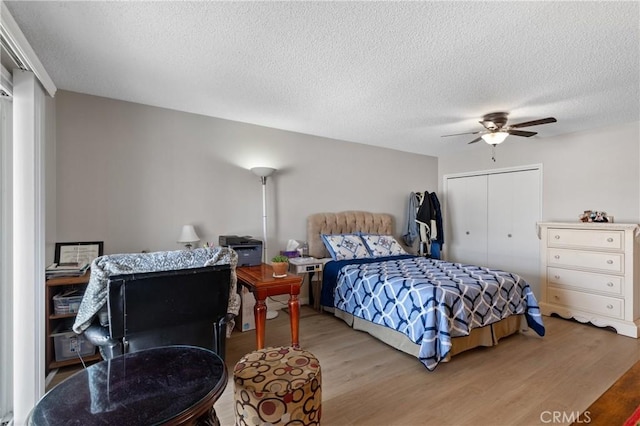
[{"x": 278, "y": 386}]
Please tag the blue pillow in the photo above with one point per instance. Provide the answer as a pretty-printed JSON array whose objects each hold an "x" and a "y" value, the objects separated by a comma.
[
  {"x": 382, "y": 245},
  {"x": 345, "y": 246}
]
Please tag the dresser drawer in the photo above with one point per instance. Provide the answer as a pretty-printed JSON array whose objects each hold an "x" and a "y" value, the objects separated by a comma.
[
  {"x": 607, "y": 240},
  {"x": 586, "y": 280},
  {"x": 602, "y": 305},
  {"x": 609, "y": 262}
]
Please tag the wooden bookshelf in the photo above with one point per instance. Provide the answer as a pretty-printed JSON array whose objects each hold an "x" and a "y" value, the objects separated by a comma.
[{"x": 55, "y": 286}]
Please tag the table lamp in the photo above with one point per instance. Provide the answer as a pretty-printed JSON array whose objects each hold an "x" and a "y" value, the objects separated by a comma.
[{"x": 188, "y": 236}]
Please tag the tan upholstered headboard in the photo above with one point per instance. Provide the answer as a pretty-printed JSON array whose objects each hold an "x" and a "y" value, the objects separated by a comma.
[{"x": 344, "y": 223}]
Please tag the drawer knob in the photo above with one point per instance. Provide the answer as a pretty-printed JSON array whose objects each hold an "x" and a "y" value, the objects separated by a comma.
[
  {"x": 556, "y": 297},
  {"x": 509, "y": 235},
  {"x": 467, "y": 232},
  {"x": 557, "y": 277},
  {"x": 557, "y": 237},
  {"x": 609, "y": 240},
  {"x": 609, "y": 284},
  {"x": 610, "y": 262},
  {"x": 557, "y": 256},
  {"x": 609, "y": 306}
]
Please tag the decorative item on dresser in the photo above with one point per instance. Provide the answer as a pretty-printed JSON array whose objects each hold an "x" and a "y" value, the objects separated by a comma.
[{"x": 590, "y": 272}]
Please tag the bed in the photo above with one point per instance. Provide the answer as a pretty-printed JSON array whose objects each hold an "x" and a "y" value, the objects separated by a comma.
[{"x": 428, "y": 308}]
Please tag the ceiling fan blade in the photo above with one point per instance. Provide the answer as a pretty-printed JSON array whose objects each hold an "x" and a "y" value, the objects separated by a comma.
[
  {"x": 534, "y": 122},
  {"x": 458, "y": 134},
  {"x": 476, "y": 140},
  {"x": 521, "y": 133}
]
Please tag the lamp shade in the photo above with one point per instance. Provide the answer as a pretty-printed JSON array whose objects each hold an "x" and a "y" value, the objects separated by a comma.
[
  {"x": 188, "y": 235},
  {"x": 263, "y": 171},
  {"x": 495, "y": 138}
]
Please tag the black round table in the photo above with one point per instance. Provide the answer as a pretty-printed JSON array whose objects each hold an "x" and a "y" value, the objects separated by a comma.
[{"x": 165, "y": 385}]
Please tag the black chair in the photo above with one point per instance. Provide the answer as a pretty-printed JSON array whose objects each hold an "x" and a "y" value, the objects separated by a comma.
[{"x": 178, "y": 307}]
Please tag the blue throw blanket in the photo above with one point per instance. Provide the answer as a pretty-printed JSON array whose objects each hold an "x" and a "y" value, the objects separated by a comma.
[{"x": 431, "y": 301}]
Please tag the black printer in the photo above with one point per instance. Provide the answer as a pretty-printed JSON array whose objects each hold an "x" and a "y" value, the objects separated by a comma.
[{"x": 249, "y": 250}]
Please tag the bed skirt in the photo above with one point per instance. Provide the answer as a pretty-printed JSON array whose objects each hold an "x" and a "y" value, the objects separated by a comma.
[{"x": 484, "y": 336}]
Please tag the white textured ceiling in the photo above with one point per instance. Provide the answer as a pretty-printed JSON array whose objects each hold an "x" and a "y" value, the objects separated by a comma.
[{"x": 393, "y": 74}]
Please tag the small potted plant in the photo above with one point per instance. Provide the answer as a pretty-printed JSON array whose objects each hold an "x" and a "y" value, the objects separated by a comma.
[{"x": 280, "y": 265}]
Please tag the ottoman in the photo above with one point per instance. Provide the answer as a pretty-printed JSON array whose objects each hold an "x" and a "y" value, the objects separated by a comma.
[{"x": 277, "y": 386}]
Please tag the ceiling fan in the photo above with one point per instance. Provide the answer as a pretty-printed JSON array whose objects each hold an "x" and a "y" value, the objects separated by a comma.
[{"x": 497, "y": 130}]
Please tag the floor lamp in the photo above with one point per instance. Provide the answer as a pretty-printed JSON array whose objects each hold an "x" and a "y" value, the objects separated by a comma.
[{"x": 264, "y": 173}]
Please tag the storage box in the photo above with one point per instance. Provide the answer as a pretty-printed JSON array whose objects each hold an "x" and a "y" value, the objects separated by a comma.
[
  {"x": 290, "y": 254},
  {"x": 68, "y": 345},
  {"x": 68, "y": 302},
  {"x": 246, "y": 319}
]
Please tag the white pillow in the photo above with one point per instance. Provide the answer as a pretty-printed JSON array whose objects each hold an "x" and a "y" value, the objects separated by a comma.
[
  {"x": 382, "y": 245},
  {"x": 345, "y": 246}
]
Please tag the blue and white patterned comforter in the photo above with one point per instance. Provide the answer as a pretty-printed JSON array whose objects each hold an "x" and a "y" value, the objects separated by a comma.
[{"x": 431, "y": 301}]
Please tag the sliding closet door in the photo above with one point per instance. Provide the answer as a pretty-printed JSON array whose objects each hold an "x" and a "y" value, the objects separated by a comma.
[
  {"x": 466, "y": 212},
  {"x": 514, "y": 201},
  {"x": 492, "y": 221}
]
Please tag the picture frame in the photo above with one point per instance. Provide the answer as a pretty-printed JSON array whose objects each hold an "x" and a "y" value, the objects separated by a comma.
[{"x": 77, "y": 253}]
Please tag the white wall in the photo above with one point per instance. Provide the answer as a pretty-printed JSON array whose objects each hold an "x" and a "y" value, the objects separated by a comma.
[
  {"x": 591, "y": 170},
  {"x": 131, "y": 175}
]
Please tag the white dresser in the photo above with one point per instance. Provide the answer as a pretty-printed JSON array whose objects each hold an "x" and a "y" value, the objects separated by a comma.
[{"x": 590, "y": 273}]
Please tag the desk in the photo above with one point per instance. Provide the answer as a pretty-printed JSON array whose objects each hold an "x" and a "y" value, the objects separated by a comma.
[
  {"x": 260, "y": 281},
  {"x": 170, "y": 385}
]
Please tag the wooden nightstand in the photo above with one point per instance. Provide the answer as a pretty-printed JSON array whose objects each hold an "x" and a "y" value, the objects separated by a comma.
[{"x": 260, "y": 281}]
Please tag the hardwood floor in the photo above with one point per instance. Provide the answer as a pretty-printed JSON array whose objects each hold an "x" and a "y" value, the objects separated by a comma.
[
  {"x": 522, "y": 381},
  {"x": 365, "y": 382}
]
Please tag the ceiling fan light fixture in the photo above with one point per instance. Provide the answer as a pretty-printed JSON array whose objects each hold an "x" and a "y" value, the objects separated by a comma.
[{"x": 495, "y": 138}]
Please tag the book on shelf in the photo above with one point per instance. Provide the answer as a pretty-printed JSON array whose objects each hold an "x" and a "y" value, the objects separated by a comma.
[{"x": 66, "y": 270}]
